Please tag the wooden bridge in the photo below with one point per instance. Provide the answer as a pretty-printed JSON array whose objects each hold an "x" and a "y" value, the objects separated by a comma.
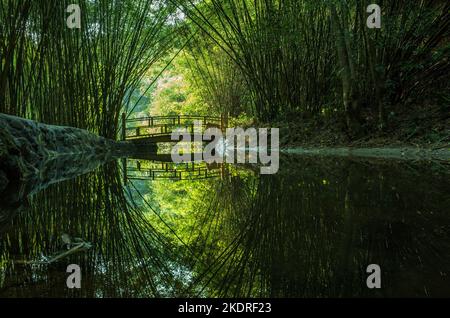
[{"x": 156, "y": 129}]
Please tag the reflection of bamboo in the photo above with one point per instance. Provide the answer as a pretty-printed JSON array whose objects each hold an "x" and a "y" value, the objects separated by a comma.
[
  {"x": 77, "y": 248},
  {"x": 128, "y": 249},
  {"x": 124, "y": 170}
]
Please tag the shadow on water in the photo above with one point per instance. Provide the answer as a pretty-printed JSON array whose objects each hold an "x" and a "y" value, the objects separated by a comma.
[{"x": 308, "y": 231}]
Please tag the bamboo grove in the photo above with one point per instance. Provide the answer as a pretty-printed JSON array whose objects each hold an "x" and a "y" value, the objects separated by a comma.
[
  {"x": 78, "y": 77},
  {"x": 277, "y": 59},
  {"x": 272, "y": 60}
]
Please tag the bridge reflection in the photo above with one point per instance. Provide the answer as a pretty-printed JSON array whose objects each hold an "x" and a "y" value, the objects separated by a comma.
[{"x": 148, "y": 169}]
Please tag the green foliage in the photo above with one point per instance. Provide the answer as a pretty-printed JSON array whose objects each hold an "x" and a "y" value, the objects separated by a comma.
[
  {"x": 282, "y": 57},
  {"x": 78, "y": 77}
]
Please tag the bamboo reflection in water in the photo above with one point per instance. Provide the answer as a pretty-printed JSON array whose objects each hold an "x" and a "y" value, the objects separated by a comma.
[
  {"x": 128, "y": 256},
  {"x": 312, "y": 232}
]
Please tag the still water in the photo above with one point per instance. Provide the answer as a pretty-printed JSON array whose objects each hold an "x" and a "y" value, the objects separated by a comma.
[{"x": 310, "y": 230}]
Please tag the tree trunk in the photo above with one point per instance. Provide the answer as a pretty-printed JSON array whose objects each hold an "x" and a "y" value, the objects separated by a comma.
[
  {"x": 349, "y": 88},
  {"x": 37, "y": 155}
]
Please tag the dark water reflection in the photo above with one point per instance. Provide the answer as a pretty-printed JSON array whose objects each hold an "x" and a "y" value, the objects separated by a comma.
[{"x": 308, "y": 231}]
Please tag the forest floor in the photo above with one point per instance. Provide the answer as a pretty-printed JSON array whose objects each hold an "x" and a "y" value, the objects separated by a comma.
[
  {"x": 413, "y": 134},
  {"x": 413, "y": 129}
]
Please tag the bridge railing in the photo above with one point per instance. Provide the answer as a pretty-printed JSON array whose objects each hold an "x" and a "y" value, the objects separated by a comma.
[{"x": 163, "y": 125}]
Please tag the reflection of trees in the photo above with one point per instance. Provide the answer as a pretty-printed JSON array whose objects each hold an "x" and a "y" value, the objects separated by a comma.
[
  {"x": 128, "y": 258},
  {"x": 312, "y": 231}
]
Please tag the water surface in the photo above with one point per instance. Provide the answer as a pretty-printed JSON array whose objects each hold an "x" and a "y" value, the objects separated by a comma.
[{"x": 310, "y": 230}]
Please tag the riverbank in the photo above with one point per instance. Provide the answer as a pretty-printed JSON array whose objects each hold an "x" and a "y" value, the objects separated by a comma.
[
  {"x": 398, "y": 153},
  {"x": 410, "y": 135}
]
